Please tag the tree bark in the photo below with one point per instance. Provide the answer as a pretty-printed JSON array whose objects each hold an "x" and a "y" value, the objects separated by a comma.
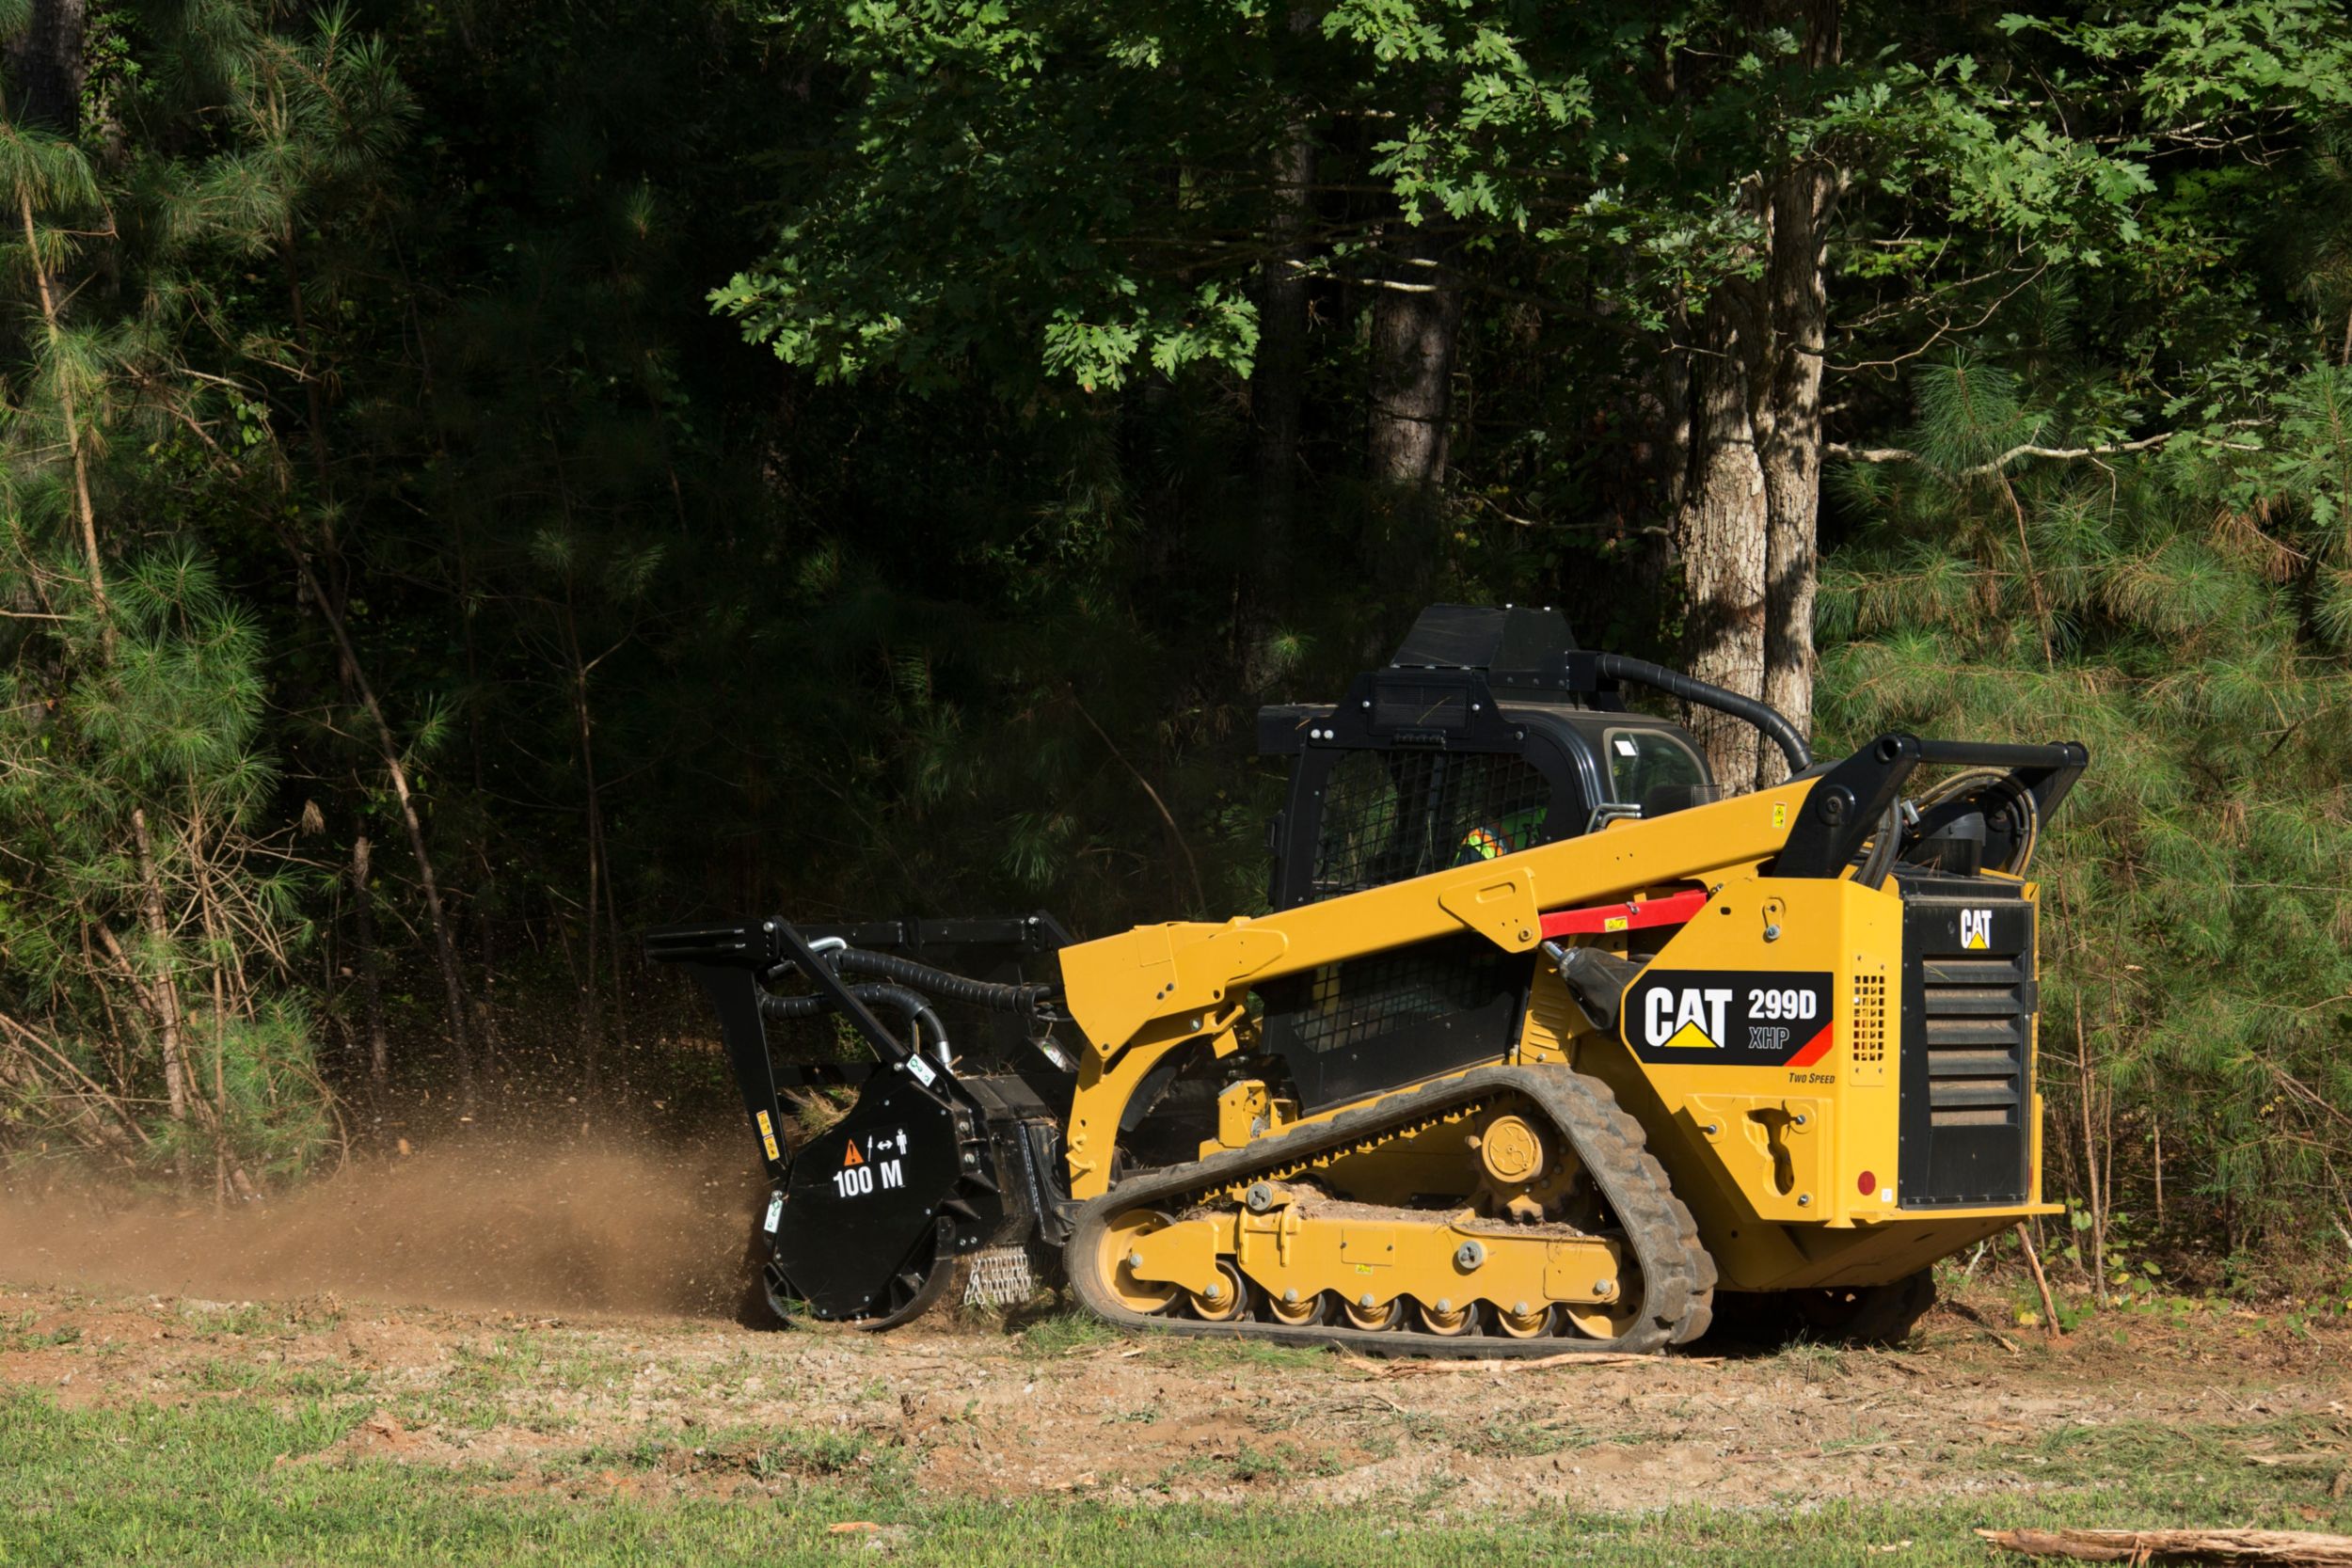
[
  {"x": 591, "y": 1017},
  {"x": 1788, "y": 427},
  {"x": 164, "y": 994},
  {"x": 370, "y": 984},
  {"x": 48, "y": 59},
  {"x": 1416, "y": 322},
  {"x": 1788, "y": 442},
  {"x": 85, "y": 512},
  {"x": 1746, "y": 527},
  {"x": 1277, "y": 390},
  {"x": 1719, "y": 531}
]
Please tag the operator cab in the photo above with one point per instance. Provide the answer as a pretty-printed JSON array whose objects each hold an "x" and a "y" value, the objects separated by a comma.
[{"x": 1488, "y": 732}]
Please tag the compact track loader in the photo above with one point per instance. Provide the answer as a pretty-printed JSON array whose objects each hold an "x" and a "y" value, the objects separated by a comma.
[{"x": 1546, "y": 1045}]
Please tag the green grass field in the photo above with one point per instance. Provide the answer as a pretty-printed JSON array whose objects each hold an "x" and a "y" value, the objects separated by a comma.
[{"x": 222, "y": 1482}]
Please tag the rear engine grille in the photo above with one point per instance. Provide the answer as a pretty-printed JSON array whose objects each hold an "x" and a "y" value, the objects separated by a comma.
[
  {"x": 1974, "y": 1025},
  {"x": 1968, "y": 1020}
]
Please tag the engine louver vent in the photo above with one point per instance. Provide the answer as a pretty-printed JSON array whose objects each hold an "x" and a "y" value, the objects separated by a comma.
[
  {"x": 1975, "y": 1020},
  {"x": 1967, "y": 1034}
]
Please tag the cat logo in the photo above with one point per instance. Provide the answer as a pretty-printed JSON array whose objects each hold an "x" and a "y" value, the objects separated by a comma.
[
  {"x": 852, "y": 1157},
  {"x": 1685, "y": 1019},
  {"x": 1975, "y": 930}
]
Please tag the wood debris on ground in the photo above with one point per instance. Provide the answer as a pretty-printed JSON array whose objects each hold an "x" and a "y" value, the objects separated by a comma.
[{"x": 2294, "y": 1548}]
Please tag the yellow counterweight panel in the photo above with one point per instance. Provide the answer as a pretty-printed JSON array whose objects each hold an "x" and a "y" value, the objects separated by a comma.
[{"x": 1785, "y": 1138}]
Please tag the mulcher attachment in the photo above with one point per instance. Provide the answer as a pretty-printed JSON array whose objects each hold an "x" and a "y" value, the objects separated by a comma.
[{"x": 868, "y": 1218}]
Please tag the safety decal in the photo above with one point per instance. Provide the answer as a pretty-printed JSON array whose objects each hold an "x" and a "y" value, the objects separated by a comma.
[
  {"x": 775, "y": 1213},
  {"x": 768, "y": 1137},
  {"x": 1734, "y": 1018},
  {"x": 1780, "y": 814},
  {"x": 877, "y": 1170}
]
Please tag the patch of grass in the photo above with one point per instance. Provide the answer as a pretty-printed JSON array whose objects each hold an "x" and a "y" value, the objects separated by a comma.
[
  {"x": 17, "y": 1333},
  {"x": 209, "y": 1319},
  {"x": 1061, "y": 1332},
  {"x": 2234, "y": 1469},
  {"x": 1814, "y": 1360},
  {"x": 203, "y": 1485},
  {"x": 1212, "y": 1353},
  {"x": 793, "y": 1453}
]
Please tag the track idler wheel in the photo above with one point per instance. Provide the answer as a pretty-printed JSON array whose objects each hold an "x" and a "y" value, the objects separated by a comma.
[
  {"x": 1300, "y": 1312},
  {"x": 1447, "y": 1318},
  {"x": 1532, "y": 1323},
  {"x": 1112, "y": 1262},
  {"x": 1225, "y": 1301}
]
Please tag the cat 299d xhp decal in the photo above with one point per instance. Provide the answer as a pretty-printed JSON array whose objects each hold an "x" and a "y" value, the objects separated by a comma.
[{"x": 1729, "y": 1018}]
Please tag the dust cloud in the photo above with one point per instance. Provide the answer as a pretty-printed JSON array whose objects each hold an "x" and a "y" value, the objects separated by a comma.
[{"x": 524, "y": 1224}]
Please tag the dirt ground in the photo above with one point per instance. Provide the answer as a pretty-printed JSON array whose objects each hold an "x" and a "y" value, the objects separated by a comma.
[{"x": 577, "y": 1310}]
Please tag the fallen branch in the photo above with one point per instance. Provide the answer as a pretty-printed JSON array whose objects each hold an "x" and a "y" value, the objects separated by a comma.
[
  {"x": 2041, "y": 1282},
  {"x": 2298, "y": 1547}
]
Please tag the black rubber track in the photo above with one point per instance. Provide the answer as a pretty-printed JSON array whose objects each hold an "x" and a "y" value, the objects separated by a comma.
[{"x": 1677, "y": 1275}]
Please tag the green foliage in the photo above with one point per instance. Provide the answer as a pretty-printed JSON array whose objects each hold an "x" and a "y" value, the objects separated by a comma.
[
  {"x": 961, "y": 597},
  {"x": 2197, "y": 889}
]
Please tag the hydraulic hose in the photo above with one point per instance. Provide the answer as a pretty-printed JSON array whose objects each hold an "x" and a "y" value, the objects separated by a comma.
[
  {"x": 1675, "y": 683},
  {"x": 1023, "y": 998},
  {"x": 917, "y": 1010}
]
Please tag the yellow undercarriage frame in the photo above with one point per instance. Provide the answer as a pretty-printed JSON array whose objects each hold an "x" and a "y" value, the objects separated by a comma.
[{"x": 1791, "y": 1170}]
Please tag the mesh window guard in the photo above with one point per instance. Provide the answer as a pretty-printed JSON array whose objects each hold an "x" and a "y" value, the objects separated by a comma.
[
  {"x": 1359, "y": 999},
  {"x": 1388, "y": 816},
  {"x": 1372, "y": 1022}
]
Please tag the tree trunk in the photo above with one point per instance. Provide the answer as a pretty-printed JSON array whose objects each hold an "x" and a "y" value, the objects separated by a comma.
[
  {"x": 1789, "y": 424},
  {"x": 48, "y": 59},
  {"x": 591, "y": 1016},
  {"x": 444, "y": 949},
  {"x": 84, "y": 513},
  {"x": 370, "y": 984},
  {"x": 1277, "y": 388},
  {"x": 1416, "y": 320},
  {"x": 590, "y": 1019},
  {"x": 164, "y": 995},
  {"x": 1719, "y": 531},
  {"x": 1746, "y": 528}
]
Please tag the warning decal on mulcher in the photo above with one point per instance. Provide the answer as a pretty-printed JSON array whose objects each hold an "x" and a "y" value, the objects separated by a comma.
[
  {"x": 1731, "y": 1018},
  {"x": 876, "y": 1170}
]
